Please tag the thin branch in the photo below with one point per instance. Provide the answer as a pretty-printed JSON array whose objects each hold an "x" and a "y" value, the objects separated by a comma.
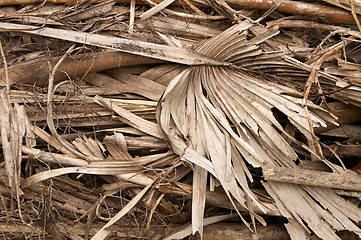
[
  {"x": 312, "y": 79},
  {"x": 353, "y": 12}
]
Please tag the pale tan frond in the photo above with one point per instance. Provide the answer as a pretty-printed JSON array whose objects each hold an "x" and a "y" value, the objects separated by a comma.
[{"x": 226, "y": 115}]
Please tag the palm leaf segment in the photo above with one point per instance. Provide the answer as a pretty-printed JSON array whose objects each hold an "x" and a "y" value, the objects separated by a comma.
[{"x": 220, "y": 119}]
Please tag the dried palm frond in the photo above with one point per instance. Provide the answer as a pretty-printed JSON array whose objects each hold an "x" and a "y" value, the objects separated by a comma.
[
  {"x": 221, "y": 118},
  {"x": 162, "y": 52}
]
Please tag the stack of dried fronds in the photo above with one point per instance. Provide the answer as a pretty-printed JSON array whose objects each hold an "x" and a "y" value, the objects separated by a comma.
[{"x": 155, "y": 119}]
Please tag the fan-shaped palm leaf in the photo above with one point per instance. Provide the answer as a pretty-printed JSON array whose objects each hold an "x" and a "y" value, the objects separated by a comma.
[{"x": 220, "y": 118}]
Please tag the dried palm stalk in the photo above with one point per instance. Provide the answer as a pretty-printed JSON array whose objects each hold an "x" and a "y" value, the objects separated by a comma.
[
  {"x": 220, "y": 118},
  {"x": 162, "y": 52}
]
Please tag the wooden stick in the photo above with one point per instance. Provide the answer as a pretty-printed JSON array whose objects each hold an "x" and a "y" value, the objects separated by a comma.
[
  {"x": 346, "y": 181},
  {"x": 76, "y": 65},
  {"x": 331, "y": 14}
]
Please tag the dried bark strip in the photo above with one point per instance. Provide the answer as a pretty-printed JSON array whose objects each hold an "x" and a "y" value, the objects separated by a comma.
[{"x": 314, "y": 178}]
